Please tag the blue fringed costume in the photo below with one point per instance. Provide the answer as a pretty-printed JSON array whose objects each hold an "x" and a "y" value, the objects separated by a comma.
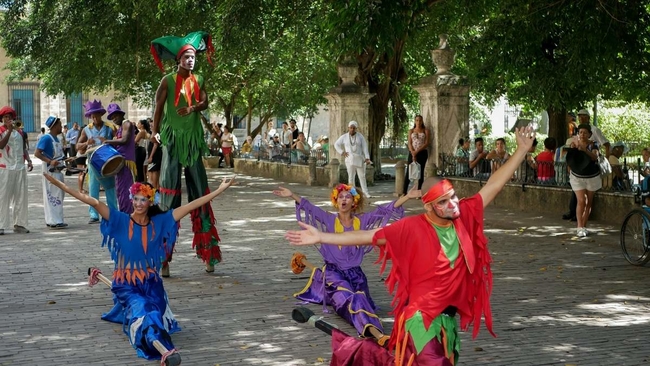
[{"x": 141, "y": 304}]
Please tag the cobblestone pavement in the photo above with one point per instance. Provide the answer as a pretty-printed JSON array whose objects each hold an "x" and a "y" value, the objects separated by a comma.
[{"x": 557, "y": 300}]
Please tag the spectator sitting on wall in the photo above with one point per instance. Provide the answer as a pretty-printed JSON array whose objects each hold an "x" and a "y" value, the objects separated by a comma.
[
  {"x": 617, "y": 179},
  {"x": 499, "y": 155},
  {"x": 275, "y": 148},
  {"x": 326, "y": 144},
  {"x": 247, "y": 147},
  {"x": 544, "y": 161},
  {"x": 477, "y": 160},
  {"x": 318, "y": 143},
  {"x": 530, "y": 173},
  {"x": 462, "y": 158}
]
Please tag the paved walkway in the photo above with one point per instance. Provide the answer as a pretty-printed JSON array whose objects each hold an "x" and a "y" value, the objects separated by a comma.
[{"x": 557, "y": 300}]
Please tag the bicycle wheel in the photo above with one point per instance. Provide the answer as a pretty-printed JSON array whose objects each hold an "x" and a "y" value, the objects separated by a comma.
[{"x": 635, "y": 237}]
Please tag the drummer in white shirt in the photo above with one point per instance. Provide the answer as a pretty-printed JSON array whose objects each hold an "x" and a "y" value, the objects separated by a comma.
[{"x": 354, "y": 148}]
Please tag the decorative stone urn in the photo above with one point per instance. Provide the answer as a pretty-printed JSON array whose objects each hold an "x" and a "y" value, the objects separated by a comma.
[
  {"x": 443, "y": 57},
  {"x": 347, "y": 70}
]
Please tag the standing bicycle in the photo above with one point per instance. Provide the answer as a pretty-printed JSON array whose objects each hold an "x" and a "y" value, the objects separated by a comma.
[{"x": 635, "y": 231}]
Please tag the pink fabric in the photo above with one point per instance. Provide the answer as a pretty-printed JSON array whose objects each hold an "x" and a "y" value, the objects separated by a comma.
[{"x": 349, "y": 351}]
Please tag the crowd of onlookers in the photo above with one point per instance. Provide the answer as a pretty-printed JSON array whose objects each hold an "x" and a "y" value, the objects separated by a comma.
[
  {"x": 287, "y": 144},
  {"x": 586, "y": 161}
]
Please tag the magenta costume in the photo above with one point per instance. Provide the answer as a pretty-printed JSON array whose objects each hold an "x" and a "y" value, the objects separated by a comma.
[
  {"x": 345, "y": 287},
  {"x": 124, "y": 179}
]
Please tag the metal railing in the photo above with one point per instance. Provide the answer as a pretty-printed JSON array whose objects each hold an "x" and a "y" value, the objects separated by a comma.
[
  {"x": 555, "y": 174},
  {"x": 286, "y": 155}
]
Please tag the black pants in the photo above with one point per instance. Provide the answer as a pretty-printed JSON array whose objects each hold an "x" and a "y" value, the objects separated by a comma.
[
  {"x": 421, "y": 158},
  {"x": 140, "y": 158},
  {"x": 72, "y": 151},
  {"x": 573, "y": 204}
]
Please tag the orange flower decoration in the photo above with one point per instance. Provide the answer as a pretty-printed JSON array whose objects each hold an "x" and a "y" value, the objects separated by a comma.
[{"x": 296, "y": 263}]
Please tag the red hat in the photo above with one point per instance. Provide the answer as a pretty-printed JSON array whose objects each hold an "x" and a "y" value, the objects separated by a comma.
[{"x": 8, "y": 110}]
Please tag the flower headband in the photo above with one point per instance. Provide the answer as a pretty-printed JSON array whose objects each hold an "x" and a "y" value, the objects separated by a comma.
[
  {"x": 344, "y": 187},
  {"x": 145, "y": 190}
]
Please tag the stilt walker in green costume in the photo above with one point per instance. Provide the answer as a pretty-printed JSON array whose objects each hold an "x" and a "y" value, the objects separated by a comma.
[{"x": 179, "y": 99}]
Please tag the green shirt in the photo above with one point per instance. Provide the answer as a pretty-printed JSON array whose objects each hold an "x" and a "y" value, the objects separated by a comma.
[
  {"x": 183, "y": 136},
  {"x": 449, "y": 242}
]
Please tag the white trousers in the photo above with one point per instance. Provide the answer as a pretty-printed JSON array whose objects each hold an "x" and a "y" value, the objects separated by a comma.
[
  {"x": 13, "y": 192},
  {"x": 52, "y": 198},
  {"x": 353, "y": 171}
]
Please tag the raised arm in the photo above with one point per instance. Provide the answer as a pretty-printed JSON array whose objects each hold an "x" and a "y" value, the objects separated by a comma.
[
  {"x": 498, "y": 179},
  {"x": 311, "y": 236},
  {"x": 286, "y": 192},
  {"x": 101, "y": 208},
  {"x": 412, "y": 193},
  {"x": 182, "y": 211}
]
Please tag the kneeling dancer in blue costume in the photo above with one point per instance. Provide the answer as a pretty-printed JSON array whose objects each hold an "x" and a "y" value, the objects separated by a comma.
[{"x": 139, "y": 243}]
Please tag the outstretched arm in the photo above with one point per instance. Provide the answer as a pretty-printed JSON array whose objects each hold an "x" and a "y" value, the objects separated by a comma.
[
  {"x": 101, "y": 208},
  {"x": 285, "y": 192},
  {"x": 126, "y": 135},
  {"x": 182, "y": 211},
  {"x": 312, "y": 236},
  {"x": 498, "y": 179},
  {"x": 413, "y": 193}
]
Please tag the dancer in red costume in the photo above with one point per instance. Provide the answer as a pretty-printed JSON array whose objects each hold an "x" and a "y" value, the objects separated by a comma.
[{"x": 440, "y": 268}]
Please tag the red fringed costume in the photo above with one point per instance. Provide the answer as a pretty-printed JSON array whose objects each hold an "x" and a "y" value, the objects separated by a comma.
[{"x": 428, "y": 290}]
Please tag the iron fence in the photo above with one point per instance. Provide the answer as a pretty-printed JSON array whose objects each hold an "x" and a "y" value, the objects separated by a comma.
[
  {"x": 286, "y": 155},
  {"x": 530, "y": 172}
]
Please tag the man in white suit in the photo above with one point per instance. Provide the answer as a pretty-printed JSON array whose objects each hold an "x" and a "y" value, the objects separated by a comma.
[{"x": 354, "y": 148}]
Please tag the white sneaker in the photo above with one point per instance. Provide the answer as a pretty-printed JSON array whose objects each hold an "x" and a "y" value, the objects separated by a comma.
[{"x": 581, "y": 232}]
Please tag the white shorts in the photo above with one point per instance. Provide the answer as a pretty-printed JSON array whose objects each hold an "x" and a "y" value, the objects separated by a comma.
[{"x": 590, "y": 184}]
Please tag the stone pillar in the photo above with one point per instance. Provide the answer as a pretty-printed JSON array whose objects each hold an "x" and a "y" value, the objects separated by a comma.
[
  {"x": 347, "y": 102},
  {"x": 400, "y": 176},
  {"x": 334, "y": 172},
  {"x": 444, "y": 105},
  {"x": 312, "y": 171}
]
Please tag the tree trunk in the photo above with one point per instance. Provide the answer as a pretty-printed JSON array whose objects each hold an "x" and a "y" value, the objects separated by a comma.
[
  {"x": 250, "y": 114},
  {"x": 381, "y": 75},
  {"x": 557, "y": 126}
]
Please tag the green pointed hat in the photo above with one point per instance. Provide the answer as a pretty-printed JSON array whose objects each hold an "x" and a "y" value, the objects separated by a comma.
[{"x": 172, "y": 47}]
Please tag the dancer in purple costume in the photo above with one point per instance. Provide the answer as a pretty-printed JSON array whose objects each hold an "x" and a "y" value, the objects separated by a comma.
[
  {"x": 345, "y": 287},
  {"x": 124, "y": 143}
]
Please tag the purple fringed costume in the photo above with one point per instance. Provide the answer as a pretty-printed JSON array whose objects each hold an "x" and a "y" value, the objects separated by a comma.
[
  {"x": 124, "y": 179},
  {"x": 345, "y": 287}
]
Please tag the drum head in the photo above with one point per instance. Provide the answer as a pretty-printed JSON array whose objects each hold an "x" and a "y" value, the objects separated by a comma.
[{"x": 112, "y": 166}]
